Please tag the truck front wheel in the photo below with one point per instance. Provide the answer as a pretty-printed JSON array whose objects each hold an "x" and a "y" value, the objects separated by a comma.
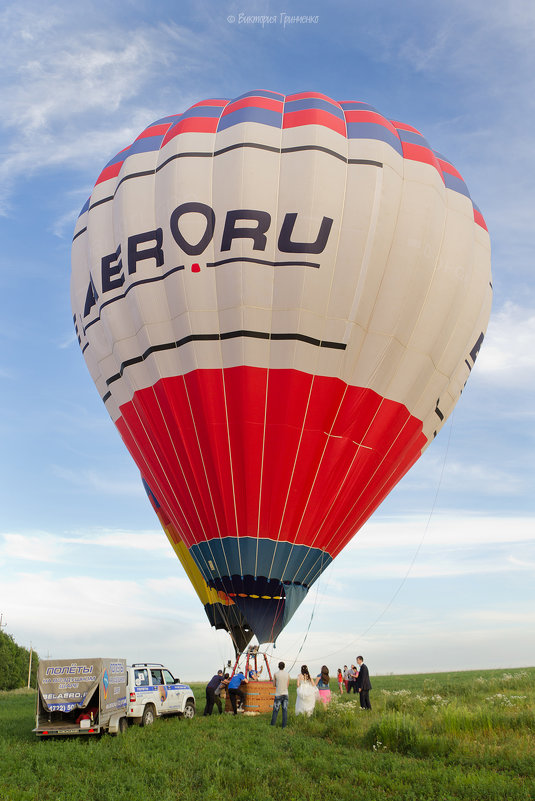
[
  {"x": 189, "y": 710},
  {"x": 148, "y": 716}
]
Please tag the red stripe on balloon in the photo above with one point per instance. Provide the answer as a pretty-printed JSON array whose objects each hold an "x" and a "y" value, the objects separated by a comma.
[
  {"x": 325, "y": 459},
  {"x": 479, "y": 219},
  {"x": 420, "y": 153},
  {"x": 364, "y": 115},
  {"x": 109, "y": 172},
  {"x": 191, "y": 125},
  {"x": 314, "y": 116},
  {"x": 254, "y": 102}
]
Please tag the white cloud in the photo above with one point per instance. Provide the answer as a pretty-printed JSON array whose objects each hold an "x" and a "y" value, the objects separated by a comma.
[
  {"x": 151, "y": 541},
  {"x": 83, "y": 616},
  {"x": 507, "y": 356},
  {"x": 35, "y": 547},
  {"x": 82, "y": 548},
  {"x": 152, "y": 612},
  {"x": 444, "y": 473},
  {"x": 444, "y": 530},
  {"x": 98, "y": 482},
  {"x": 76, "y": 94}
]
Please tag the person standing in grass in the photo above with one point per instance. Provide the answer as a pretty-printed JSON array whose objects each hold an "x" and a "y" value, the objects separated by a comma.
[
  {"x": 346, "y": 677},
  {"x": 281, "y": 681},
  {"x": 307, "y": 693},
  {"x": 211, "y": 697},
  {"x": 340, "y": 681},
  {"x": 363, "y": 684},
  {"x": 322, "y": 683},
  {"x": 235, "y": 691}
]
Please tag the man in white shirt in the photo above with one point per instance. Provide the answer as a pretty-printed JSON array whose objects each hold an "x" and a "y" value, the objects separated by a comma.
[{"x": 281, "y": 681}]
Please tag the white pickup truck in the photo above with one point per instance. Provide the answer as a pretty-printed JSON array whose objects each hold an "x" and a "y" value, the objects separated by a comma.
[{"x": 152, "y": 690}]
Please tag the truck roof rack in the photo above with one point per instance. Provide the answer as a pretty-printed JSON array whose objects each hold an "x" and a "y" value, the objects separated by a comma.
[{"x": 146, "y": 664}]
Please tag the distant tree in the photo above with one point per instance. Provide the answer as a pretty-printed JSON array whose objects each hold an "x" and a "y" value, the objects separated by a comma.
[{"x": 14, "y": 664}]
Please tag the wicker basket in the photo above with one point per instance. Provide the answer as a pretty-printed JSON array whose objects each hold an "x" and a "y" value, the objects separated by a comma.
[{"x": 259, "y": 697}]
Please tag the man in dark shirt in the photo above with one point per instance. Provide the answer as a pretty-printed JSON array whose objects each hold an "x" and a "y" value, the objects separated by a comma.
[
  {"x": 211, "y": 697},
  {"x": 363, "y": 684}
]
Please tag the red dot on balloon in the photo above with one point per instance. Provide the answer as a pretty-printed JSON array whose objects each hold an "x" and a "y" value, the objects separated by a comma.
[{"x": 195, "y": 268}]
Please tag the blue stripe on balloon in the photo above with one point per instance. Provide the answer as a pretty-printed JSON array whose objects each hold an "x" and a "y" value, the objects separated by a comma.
[
  {"x": 261, "y": 93},
  {"x": 413, "y": 138},
  {"x": 171, "y": 118},
  {"x": 119, "y": 157},
  {"x": 457, "y": 184},
  {"x": 357, "y": 105},
  {"x": 240, "y": 556},
  {"x": 265, "y": 116},
  {"x": 85, "y": 206},
  {"x": 307, "y": 103},
  {"x": 201, "y": 111},
  {"x": 372, "y": 130},
  {"x": 144, "y": 145}
]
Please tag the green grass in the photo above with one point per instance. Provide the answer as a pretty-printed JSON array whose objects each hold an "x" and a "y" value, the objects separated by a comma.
[{"x": 437, "y": 737}]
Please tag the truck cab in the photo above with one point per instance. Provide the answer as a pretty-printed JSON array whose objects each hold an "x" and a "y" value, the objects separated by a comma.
[{"x": 153, "y": 691}]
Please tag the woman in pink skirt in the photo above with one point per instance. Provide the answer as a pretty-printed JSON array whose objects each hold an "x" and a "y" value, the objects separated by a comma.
[{"x": 322, "y": 683}]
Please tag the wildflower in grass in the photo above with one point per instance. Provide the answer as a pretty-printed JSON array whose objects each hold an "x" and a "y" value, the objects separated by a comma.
[
  {"x": 379, "y": 746},
  {"x": 500, "y": 699}
]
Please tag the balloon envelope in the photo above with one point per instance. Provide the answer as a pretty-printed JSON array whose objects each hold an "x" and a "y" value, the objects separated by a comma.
[{"x": 280, "y": 300}]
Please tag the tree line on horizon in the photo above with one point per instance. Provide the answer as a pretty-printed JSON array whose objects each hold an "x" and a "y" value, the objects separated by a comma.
[{"x": 14, "y": 664}]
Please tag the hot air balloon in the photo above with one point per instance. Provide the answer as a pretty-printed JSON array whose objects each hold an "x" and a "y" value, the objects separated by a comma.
[{"x": 280, "y": 299}]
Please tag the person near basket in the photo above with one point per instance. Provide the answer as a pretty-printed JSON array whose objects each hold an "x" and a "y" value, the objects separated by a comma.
[{"x": 281, "y": 682}]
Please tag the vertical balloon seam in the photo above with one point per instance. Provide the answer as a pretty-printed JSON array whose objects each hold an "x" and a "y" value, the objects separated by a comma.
[
  {"x": 349, "y": 536},
  {"x": 344, "y": 391},
  {"x": 325, "y": 547},
  {"x": 220, "y": 343},
  {"x": 182, "y": 470},
  {"x": 406, "y": 346},
  {"x": 296, "y": 457},
  {"x": 280, "y": 169},
  {"x": 157, "y": 367},
  {"x": 185, "y": 483},
  {"x": 385, "y": 481},
  {"x": 132, "y": 299},
  {"x": 222, "y": 360},
  {"x": 369, "y": 383},
  {"x": 305, "y": 413},
  {"x": 373, "y": 373},
  {"x": 347, "y": 478},
  {"x": 266, "y": 385},
  {"x": 149, "y": 472},
  {"x": 365, "y": 263},
  {"x": 216, "y": 570},
  {"x": 370, "y": 237},
  {"x": 215, "y": 564}
]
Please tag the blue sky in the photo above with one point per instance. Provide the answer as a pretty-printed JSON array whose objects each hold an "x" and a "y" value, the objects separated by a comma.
[{"x": 442, "y": 577}]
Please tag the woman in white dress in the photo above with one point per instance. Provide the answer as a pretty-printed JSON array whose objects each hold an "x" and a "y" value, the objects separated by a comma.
[{"x": 307, "y": 693}]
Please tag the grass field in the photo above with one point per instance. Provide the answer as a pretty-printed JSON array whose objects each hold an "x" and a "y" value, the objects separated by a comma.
[{"x": 435, "y": 737}]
